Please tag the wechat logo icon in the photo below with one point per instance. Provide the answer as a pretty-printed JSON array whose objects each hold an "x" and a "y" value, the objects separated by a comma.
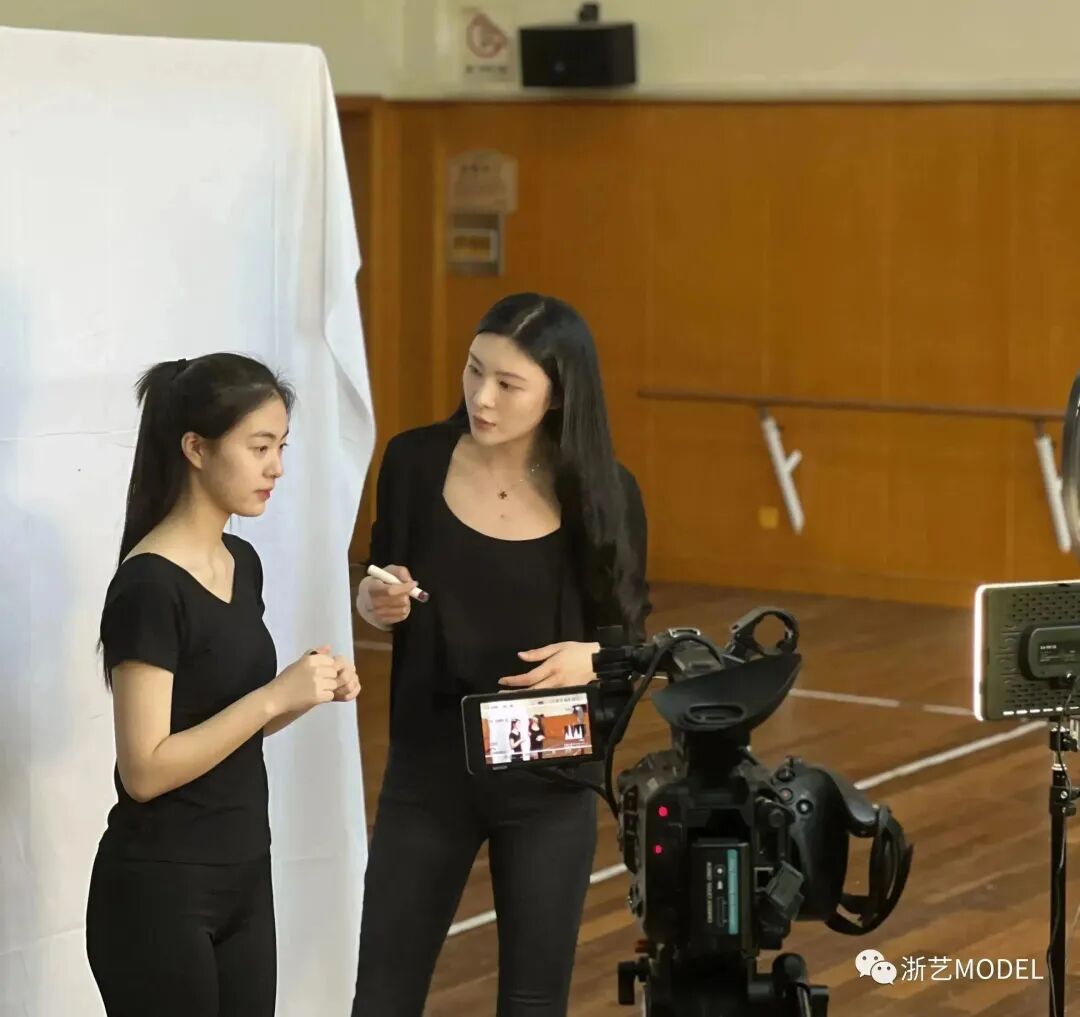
[{"x": 873, "y": 964}]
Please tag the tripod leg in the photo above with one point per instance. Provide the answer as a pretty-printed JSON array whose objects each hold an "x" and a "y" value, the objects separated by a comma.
[
  {"x": 1057, "y": 901},
  {"x": 792, "y": 982}
]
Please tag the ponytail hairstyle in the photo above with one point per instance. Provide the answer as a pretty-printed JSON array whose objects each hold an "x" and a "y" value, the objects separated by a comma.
[
  {"x": 587, "y": 478},
  {"x": 209, "y": 395}
]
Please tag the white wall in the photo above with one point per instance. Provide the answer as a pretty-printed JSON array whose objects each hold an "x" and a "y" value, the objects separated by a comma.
[{"x": 361, "y": 38}]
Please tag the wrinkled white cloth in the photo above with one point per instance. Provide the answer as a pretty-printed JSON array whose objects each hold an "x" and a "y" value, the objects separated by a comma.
[{"x": 159, "y": 199}]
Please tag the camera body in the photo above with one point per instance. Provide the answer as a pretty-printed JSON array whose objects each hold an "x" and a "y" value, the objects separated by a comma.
[
  {"x": 695, "y": 855},
  {"x": 705, "y": 859},
  {"x": 725, "y": 868}
]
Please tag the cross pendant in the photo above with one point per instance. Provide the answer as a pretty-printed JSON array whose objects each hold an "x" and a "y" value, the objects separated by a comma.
[{"x": 502, "y": 495}]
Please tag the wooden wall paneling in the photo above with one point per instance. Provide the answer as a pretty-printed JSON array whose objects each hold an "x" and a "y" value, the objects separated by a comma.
[
  {"x": 595, "y": 217},
  {"x": 576, "y": 235},
  {"x": 1044, "y": 340},
  {"x": 1044, "y": 328},
  {"x": 384, "y": 261},
  {"x": 826, "y": 172},
  {"x": 418, "y": 268},
  {"x": 358, "y": 129},
  {"x": 949, "y": 303},
  {"x": 706, "y": 474},
  {"x": 948, "y": 308},
  {"x": 371, "y": 138},
  {"x": 921, "y": 253},
  {"x": 707, "y": 251}
]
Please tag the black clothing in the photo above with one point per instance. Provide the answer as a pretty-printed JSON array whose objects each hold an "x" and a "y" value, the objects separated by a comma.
[
  {"x": 490, "y": 599},
  {"x": 180, "y": 915},
  {"x": 409, "y": 499},
  {"x": 157, "y": 612},
  {"x": 433, "y": 817},
  {"x": 169, "y": 939}
]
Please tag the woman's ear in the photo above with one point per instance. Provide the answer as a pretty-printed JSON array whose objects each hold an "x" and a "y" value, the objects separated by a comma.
[{"x": 194, "y": 449}]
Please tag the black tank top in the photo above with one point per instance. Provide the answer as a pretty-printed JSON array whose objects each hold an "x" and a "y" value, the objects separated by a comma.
[{"x": 493, "y": 598}]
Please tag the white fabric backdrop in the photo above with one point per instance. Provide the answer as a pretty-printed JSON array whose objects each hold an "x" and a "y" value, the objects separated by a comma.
[{"x": 164, "y": 198}]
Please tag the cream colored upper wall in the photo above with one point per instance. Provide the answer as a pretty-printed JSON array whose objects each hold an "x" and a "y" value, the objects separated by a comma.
[
  {"x": 362, "y": 39},
  {"x": 800, "y": 47},
  {"x": 711, "y": 48}
]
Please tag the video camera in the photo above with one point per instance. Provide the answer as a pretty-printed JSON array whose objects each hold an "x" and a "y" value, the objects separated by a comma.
[{"x": 723, "y": 854}]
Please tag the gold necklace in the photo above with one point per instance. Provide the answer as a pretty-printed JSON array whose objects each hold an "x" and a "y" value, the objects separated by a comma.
[{"x": 505, "y": 492}]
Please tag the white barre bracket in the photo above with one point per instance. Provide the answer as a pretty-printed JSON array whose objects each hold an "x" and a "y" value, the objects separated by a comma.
[
  {"x": 784, "y": 466},
  {"x": 1044, "y": 449}
]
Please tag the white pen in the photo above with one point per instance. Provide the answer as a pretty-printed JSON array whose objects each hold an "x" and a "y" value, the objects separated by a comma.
[{"x": 388, "y": 577}]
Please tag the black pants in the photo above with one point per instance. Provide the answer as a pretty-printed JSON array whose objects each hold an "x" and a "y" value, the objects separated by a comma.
[
  {"x": 175, "y": 940},
  {"x": 432, "y": 819}
]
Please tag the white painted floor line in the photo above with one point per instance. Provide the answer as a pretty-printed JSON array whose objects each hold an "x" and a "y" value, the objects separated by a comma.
[
  {"x": 845, "y": 697},
  {"x": 955, "y": 711},
  {"x": 893, "y": 704},
  {"x": 610, "y": 872},
  {"x": 468, "y": 924},
  {"x": 950, "y": 754},
  {"x": 907, "y": 769}
]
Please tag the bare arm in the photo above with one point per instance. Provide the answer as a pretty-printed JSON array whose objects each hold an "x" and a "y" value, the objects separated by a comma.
[
  {"x": 282, "y": 721},
  {"x": 152, "y": 760}
]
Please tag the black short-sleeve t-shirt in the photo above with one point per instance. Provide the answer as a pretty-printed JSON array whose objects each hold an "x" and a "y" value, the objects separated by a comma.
[{"x": 218, "y": 651}]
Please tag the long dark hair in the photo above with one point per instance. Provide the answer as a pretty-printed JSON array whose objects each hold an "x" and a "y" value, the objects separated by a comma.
[
  {"x": 208, "y": 395},
  {"x": 587, "y": 478}
]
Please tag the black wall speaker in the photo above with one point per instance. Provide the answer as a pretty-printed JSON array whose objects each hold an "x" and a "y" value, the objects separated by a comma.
[{"x": 581, "y": 55}]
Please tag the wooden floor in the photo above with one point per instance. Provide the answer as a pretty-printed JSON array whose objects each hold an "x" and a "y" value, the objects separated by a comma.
[{"x": 883, "y": 686}]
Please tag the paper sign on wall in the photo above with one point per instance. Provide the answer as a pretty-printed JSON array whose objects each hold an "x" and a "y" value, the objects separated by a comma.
[
  {"x": 481, "y": 180},
  {"x": 487, "y": 43},
  {"x": 475, "y": 243},
  {"x": 481, "y": 188}
]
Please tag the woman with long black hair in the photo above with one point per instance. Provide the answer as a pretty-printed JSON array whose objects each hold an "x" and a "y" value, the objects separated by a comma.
[
  {"x": 528, "y": 535},
  {"x": 180, "y": 916},
  {"x": 536, "y": 736}
]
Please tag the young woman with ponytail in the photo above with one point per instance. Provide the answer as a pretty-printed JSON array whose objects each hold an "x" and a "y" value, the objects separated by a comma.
[
  {"x": 528, "y": 534},
  {"x": 180, "y": 919}
]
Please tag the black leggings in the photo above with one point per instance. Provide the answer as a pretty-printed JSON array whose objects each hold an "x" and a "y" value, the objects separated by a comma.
[
  {"x": 166, "y": 939},
  {"x": 432, "y": 819}
]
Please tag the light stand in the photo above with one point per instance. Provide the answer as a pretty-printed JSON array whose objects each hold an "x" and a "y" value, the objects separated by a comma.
[{"x": 1063, "y": 738}]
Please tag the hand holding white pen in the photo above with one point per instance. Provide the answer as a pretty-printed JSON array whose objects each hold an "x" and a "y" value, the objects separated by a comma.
[
  {"x": 389, "y": 593},
  {"x": 396, "y": 574}
]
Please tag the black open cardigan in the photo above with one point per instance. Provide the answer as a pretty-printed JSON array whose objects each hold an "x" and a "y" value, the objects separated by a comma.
[{"x": 410, "y": 485}]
